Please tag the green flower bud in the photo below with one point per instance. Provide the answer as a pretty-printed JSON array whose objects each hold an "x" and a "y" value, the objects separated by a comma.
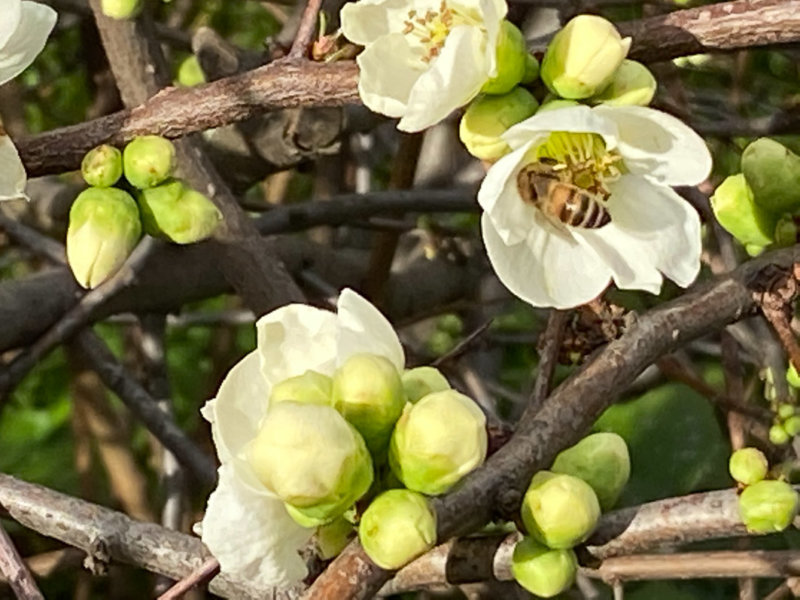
[
  {"x": 102, "y": 166},
  {"x": 748, "y": 465},
  {"x": 583, "y": 57},
  {"x": 754, "y": 250},
  {"x": 778, "y": 435},
  {"x": 767, "y": 506},
  {"x": 421, "y": 381},
  {"x": 190, "y": 73},
  {"x": 309, "y": 388},
  {"x": 178, "y": 213},
  {"x": 558, "y": 510},
  {"x": 773, "y": 173},
  {"x": 368, "y": 392},
  {"x": 333, "y": 537},
  {"x": 542, "y": 571},
  {"x": 396, "y": 528},
  {"x": 785, "y": 232},
  {"x": 121, "y": 9},
  {"x": 633, "y": 85},
  {"x": 148, "y": 160},
  {"x": 553, "y": 103},
  {"x": 104, "y": 228},
  {"x": 602, "y": 461},
  {"x": 511, "y": 61},
  {"x": 735, "y": 208},
  {"x": 531, "y": 70},
  {"x": 312, "y": 459},
  {"x": 437, "y": 441},
  {"x": 488, "y": 118},
  {"x": 786, "y": 410},
  {"x": 792, "y": 378},
  {"x": 792, "y": 425}
]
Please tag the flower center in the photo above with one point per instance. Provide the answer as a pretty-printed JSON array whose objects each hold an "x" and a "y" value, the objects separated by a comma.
[
  {"x": 432, "y": 28},
  {"x": 581, "y": 159}
]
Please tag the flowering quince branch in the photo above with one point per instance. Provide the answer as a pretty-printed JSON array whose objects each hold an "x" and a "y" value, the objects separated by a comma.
[{"x": 24, "y": 28}]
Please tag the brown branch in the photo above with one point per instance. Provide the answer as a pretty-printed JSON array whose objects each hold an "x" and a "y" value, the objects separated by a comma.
[
  {"x": 203, "y": 573},
  {"x": 176, "y": 112},
  {"x": 305, "y": 31},
  {"x": 15, "y": 571},
  {"x": 549, "y": 345},
  {"x": 568, "y": 413}
]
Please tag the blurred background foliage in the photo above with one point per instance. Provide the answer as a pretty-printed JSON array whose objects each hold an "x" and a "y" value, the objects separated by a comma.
[{"x": 678, "y": 440}]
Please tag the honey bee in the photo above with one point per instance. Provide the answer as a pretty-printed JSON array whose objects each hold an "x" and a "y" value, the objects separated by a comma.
[{"x": 549, "y": 190}]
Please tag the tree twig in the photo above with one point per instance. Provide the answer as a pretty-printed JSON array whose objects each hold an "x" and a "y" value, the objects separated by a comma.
[
  {"x": 305, "y": 31},
  {"x": 203, "y": 573},
  {"x": 15, "y": 570}
]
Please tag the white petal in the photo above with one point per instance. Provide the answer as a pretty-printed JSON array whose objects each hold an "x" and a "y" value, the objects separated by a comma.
[
  {"x": 363, "y": 329},
  {"x": 251, "y": 534},
  {"x": 499, "y": 196},
  {"x": 652, "y": 230},
  {"x": 363, "y": 22},
  {"x": 12, "y": 173},
  {"x": 493, "y": 11},
  {"x": 12, "y": 12},
  {"x": 550, "y": 268},
  {"x": 389, "y": 68},
  {"x": 35, "y": 24},
  {"x": 573, "y": 118},
  {"x": 454, "y": 78},
  {"x": 294, "y": 339},
  {"x": 658, "y": 145}
]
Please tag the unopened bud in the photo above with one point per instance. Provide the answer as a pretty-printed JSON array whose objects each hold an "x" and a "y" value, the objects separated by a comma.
[
  {"x": 178, "y": 213},
  {"x": 559, "y": 511},
  {"x": 102, "y": 166},
  {"x": 121, "y": 9},
  {"x": 767, "y": 506},
  {"x": 792, "y": 378},
  {"x": 773, "y": 173},
  {"x": 583, "y": 57},
  {"x": 190, "y": 73},
  {"x": 333, "y": 537},
  {"x": 437, "y": 441},
  {"x": 104, "y": 227},
  {"x": 312, "y": 459},
  {"x": 786, "y": 410},
  {"x": 531, "y": 70},
  {"x": 488, "y": 118},
  {"x": 792, "y": 425},
  {"x": 778, "y": 435},
  {"x": 511, "y": 61},
  {"x": 421, "y": 381},
  {"x": 148, "y": 160},
  {"x": 748, "y": 465},
  {"x": 309, "y": 388},
  {"x": 542, "y": 571},
  {"x": 397, "y": 527},
  {"x": 368, "y": 392},
  {"x": 785, "y": 232},
  {"x": 736, "y": 210},
  {"x": 553, "y": 103},
  {"x": 633, "y": 85},
  {"x": 602, "y": 461}
]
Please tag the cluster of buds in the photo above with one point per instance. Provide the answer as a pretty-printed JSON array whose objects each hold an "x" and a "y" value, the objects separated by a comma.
[
  {"x": 561, "y": 507},
  {"x": 765, "y": 506},
  {"x": 324, "y": 439},
  {"x": 758, "y": 206},
  {"x": 787, "y": 416},
  {"x": 106, "y": 222},
  {"x": 584, "y": 63}
]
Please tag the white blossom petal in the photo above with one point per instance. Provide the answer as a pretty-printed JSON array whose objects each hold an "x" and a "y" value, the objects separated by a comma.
[
  {"x": 12, "y": 172},
  {"x": 294, "y": 339},
  {"x": 363, "y": 329},
  {"x": 35, "y": 24},
  {"x": 365, "y": 21},
  {"x": 652, "y": 230},
  {"x": 659, "y": 146},
  {"x": 549, "y": 268},
  {"x": 251, "y": 534},
  {"x": 578, "y": 119},
  {"x": 500, "y": 198},
  {"x": 493, "y": 11},
  {"x": 454, "y": 78},
  {"x": 389, "y": 68},
  {"x": 12, "y": 12}
]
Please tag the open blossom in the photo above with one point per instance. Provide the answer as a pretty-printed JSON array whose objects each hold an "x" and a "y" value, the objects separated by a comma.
[
  {"x": 610, "y": 214},
  {"x": 246, "y": 526},
  {"x": 24, "y": 27},
  {"x": 423, "y": 58}
]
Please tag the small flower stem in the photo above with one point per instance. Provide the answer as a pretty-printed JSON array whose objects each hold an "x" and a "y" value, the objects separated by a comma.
[{"x": 203, "y": 573}]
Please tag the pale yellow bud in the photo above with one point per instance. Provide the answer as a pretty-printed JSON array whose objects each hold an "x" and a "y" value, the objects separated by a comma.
[
  {"x": 542, "y": 571},
  {"x": 488, "y": 118},
  {"x": 633, "y": 85},
  {"x": 421, "y": 381},
  {"x": 767, "y": 506},
  {"x": 309, "y": 388}
]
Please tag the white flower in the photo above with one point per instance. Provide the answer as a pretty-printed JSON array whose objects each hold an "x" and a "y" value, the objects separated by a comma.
[
  {"x": 423, "y": 58},
  {"x": 24, "y": 27},
  {"x": 246, "y": 527},
  {"x": 629, "y": 156}
]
